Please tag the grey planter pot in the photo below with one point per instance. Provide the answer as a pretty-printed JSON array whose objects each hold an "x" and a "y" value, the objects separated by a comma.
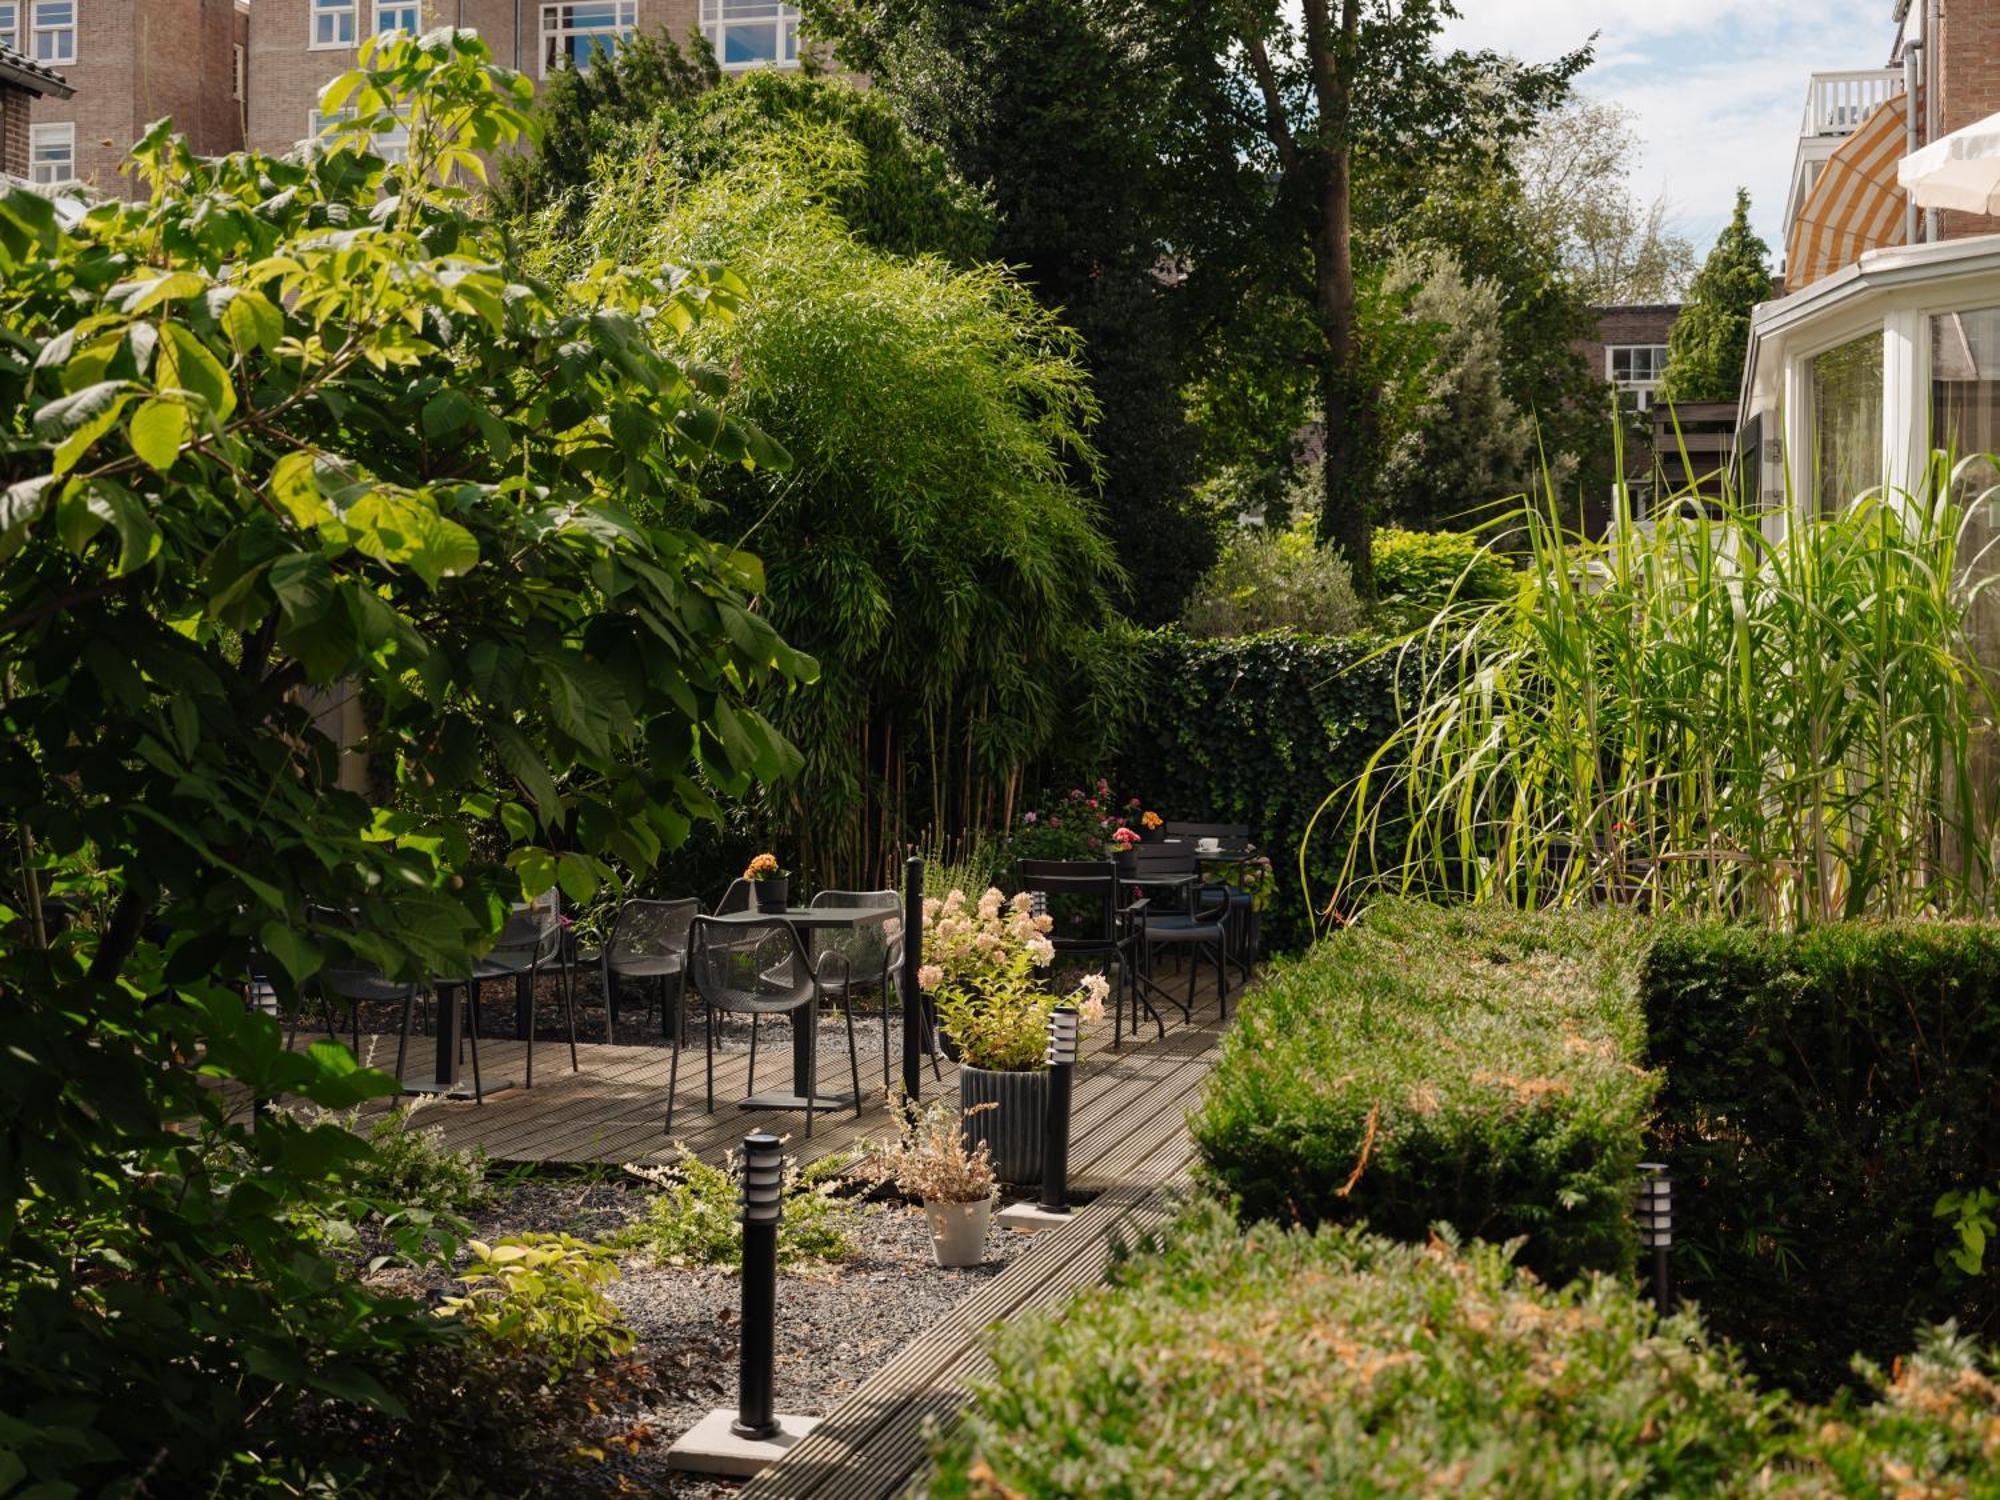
[{"x": 1012, "y": 1130}]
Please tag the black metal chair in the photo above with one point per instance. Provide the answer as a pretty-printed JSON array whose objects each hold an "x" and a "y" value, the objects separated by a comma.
[
  {"x": 1231, "y": 838},
  {"x": 648, "y": 945},
  {"x": 874, "y": 960},
  {"x": 1181, "y": 924},
  {"x": 761, "y": 969},
  {"x": 529, "y": 943},
  {"x": 346, "y": 978},
  {"x": 1088, "y": 891}
]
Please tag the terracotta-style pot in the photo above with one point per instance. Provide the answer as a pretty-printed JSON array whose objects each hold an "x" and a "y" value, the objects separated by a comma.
[
  {"x": 1014, "y": 1128},
  {"x": 774, "y": 892},
  {"x": 958, "y": 1231}
]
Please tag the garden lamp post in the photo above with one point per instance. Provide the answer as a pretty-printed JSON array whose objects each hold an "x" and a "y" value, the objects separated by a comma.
[
  {"x": 763, "y": 1207},
  {"x": 1655, "y": 1213},
  {"x": 1055, "y": 1151}
]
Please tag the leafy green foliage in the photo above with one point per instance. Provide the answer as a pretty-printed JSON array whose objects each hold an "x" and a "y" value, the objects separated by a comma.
[
  {"x": 542, "y": 1295},
  {"x": 1706, "y": 348},
  {"x": 1249, "y": 730},
  {"x": 415, "y": 1167},
  {"x": 1823, "y": 1092},
  {"x": 928, "y": 543},
  {"x": 1274, "y": 580},
  {"x": 1421, "y": 572},
  {"x": 693, "y": 1220},
  {"x": 1470, "y": 1066},
  {"x": 1285, "y": 1363},
  {"x": 282, "y": 433}
]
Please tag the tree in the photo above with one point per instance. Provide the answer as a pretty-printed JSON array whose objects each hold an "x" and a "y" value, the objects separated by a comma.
[
  {"x": 282, "y": 427},
  {"x": 928, "y": 545},
  {"x": 1575, "y": 171},
  {"x": 1711, "y": 338}
]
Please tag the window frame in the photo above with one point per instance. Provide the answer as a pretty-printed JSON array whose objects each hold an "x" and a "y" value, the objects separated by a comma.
[
  {"x": 10, "y": 29},
  {"x": 36, "y": 31},
  {"x": 239, "y": 70},
  {"x": 333, "y": 11},
  {"x": 716, "y": 23},
  {"x": 51, "y": 129},
  {"x": 624, "y": 24},
  {"x": 391, "y": 7}
]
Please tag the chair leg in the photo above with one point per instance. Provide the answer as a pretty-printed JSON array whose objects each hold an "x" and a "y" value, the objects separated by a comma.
[
  {"x": 610, "y": 1002},
  {"x": 854, "y": 1053},
  {"x": 569, "y": 1008},
  {"x": 531, "y": 1031},
  {"x": 908, "y": 1020},
  {"x": 673, "y": 1079},
  {"x": 478, "y": 1088},
  {"x": 708, "y": 1019},
  {"x": 812, "y": 1061},
  {"x": 750, "y": 1083},
  {"x": 403, "y": 1036}
]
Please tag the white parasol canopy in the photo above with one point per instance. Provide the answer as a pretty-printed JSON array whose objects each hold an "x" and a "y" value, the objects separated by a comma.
[{"x": 1960, "y": 170}]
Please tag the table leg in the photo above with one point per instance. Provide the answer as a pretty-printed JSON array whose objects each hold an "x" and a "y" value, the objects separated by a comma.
[
  {"x": 447, "y": 1083},
  {"x": 524, "y": 1005}
]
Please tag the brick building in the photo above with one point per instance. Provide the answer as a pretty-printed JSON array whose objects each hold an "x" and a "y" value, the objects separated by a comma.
[
  {"x": 129, "y": 62},
  {"x": 22, "y": 82},
  {"x": 298, "y": 46}
]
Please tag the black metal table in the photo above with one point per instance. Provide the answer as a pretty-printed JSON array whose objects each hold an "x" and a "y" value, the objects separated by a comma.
[{"x": 805, "y": 919}]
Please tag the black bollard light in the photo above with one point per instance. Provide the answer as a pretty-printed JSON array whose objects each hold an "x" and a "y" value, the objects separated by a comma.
[
  {"x": 1055, "y": 1149},
  {"x": 1655, "y": 1213},
  {"x": 763, "y": 1207}
]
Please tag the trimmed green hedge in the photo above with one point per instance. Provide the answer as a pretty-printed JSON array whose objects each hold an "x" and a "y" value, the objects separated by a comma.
[
  {"x": 1471, "y": 1065},
  {"x": 1339, "y": 1363},
  {"x": 1258, "y": 730},
  {"x": 1822, "y": 1092}
]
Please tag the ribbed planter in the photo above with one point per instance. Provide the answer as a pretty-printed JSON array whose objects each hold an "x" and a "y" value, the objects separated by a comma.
[
  {"x": 773, "y": 892},
  {"x": 1012, "y": 1129}
]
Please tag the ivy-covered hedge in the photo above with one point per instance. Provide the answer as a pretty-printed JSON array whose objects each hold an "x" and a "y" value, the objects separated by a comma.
[
  {"x": 1470, "y": 1065},
  {"x": 1823, "y": 1091},
  {"x": 1284, "y": 1363},
  {"x": 1258, "y": 730}
]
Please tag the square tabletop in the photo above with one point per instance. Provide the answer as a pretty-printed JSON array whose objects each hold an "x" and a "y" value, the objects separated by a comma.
[{"x": 808, "y": 918}]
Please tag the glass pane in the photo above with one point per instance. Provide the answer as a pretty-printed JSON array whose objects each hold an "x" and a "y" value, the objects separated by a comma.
[
  {"x": 1847, "y": 421},
  {"x": 1965, "y": 382},
  {"x": 749, "y": 44}
]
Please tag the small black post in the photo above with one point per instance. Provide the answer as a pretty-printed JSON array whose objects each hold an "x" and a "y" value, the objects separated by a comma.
[
  {"x": 1055, "y": 1149},
  {"x": 763, "y": 1206},
  {"x": 916, "y": 1019},
  {"x": 1655, "y": 1214}
]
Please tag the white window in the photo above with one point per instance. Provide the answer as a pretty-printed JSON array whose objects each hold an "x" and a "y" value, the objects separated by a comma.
[
  {"x": 579, "y": 34},
  {"x": 237, "y": 66},
  {"x": 752, "y": 33},
  {"x": 398, "y": 15},
  {"x": 1637, "y": 368},
  {"x": 54, "y": 31},
  {"x": 332, "y": 23},
  {"x": 10, "y": 24},
  {"x": 52, "y": 154}
]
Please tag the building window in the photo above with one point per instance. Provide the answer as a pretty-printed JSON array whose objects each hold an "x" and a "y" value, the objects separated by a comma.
[
  {"x": 1637, "y": 368},
  {"x": 237, "y": 66},
  {"x": 332, "y": 23},
  {"x": 10, "y": 24},
  {"x": 1846, "y": 386},
  {"x": 579, "y": 34},
  {"x": 52, "y": 154},
  {"x": 54, "y": 28},
  {"x": 395, "y": 15},
  {"x": 752, "y": 33}
]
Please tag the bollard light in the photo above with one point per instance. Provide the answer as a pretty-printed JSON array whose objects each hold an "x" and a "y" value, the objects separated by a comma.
[
  {"x": 1654, "y": 1212},
  {"x": 763, "y": 1207},
  {"x": 1038, "y": 903},
  {"x": 1061, "y": 1055}
]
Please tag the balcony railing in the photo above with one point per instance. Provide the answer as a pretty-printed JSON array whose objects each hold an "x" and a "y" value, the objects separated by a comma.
[{"x": 1837, "y": 103}]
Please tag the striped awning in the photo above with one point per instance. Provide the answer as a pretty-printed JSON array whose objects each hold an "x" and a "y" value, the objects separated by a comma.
[{"x": 1855, "y": 205}]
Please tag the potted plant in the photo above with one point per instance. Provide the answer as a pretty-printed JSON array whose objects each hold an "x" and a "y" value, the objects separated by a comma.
[
  {"x": 980, "y": 962},
  {"x": 772, "y": 885},
  {"x": 932, "y": 1162}
]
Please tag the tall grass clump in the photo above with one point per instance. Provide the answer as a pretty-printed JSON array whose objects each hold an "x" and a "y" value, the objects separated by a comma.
[{"x": 1696, "y": 716}]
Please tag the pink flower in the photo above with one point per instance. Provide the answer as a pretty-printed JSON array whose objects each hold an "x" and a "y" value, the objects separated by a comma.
[
  {"x": 1126, "y": 838},
  {"x": 1091, "y": 803},
  {"x": 1055, "y": 822},
  {"x": 1029, "y": 818},
  {"x": 1133, "y": 803},
  {"x": 930, "y": 976}
]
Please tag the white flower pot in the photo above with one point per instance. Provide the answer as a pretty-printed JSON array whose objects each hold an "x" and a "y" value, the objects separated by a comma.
[{"x": 958, "y": 1231}]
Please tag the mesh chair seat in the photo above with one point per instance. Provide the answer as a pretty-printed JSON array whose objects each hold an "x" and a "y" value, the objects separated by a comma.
[
  {"x": 364, "y": 983},
  {"x": 647, "y": 966}
]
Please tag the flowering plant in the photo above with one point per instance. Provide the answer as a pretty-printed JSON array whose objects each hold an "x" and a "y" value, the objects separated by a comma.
[
  {"x": 1085, "y": 824},
  {"x": 763, "y": 867},
  {"x": 930, "y": 1160},
  {"x": 979, "y": 968}
]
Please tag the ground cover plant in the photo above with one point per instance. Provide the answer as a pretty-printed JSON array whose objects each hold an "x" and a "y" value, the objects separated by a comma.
[
  {"x": 1281, "y": 1362},
  {"x": 694, "y": 1217},
  {"x": 288, "y": 438},
  {"x": 1473, "y": 1066}
]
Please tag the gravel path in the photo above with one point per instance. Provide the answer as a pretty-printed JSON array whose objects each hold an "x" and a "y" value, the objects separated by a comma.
[{"x": 837, "y": 1325}]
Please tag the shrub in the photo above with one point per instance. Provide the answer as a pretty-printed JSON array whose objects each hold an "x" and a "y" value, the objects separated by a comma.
[
  {"x": 415, "y": 1168},
  {"x": 692, "y": 1220},
  {"x": 1823, "y": 1091},
  {"x": 1418, "y": 572},
  {"x": 1289, "y": 1363},
  {"x": 1253, "y": 730},
  {"x": 1280, "y": 580},
  {"x": 1472, "y": 1066},
  {"x": 542, "y": 1296}
]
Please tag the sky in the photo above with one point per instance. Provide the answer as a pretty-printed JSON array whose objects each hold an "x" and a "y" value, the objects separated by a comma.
[{"x": 1717, "y": 87}]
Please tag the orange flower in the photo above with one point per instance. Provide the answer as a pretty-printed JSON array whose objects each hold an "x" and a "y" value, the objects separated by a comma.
[
  {"x": 1152, "y": 820},
  {"x": 761, "y": 866}
]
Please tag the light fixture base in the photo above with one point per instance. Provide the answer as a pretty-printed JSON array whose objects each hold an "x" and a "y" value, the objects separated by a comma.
[{"x": 711, "y": 1446}]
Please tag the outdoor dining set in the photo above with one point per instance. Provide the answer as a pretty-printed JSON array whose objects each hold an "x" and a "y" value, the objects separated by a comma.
[{"x": 752, "y": 956}]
